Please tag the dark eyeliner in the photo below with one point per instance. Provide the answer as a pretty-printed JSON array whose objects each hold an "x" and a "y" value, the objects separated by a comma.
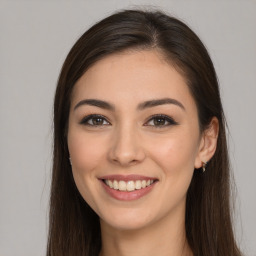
[
  {"x": 169, "y": 119},
  {"x": 85, "y": 120}
]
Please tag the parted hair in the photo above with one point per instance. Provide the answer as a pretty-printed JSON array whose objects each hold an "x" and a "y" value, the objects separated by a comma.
[{"x": 73, "y": 226}]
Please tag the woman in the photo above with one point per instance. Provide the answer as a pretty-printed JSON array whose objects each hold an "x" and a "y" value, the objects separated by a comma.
[{"x": 140, "y": 155}]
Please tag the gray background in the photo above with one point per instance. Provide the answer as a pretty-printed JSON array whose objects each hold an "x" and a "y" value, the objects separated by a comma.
[{"x": 35, "y": 37}]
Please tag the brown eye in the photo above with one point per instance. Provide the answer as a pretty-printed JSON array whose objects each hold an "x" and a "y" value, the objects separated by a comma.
[
  {"x": 160, "y": 121},
  {"x": 97, "y": 121},
  {"x": 94, "y": 120}
]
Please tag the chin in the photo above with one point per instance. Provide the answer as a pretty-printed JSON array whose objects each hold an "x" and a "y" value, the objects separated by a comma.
[
  {"x": 125, "y": 224},
  {"x": 127, "y": 219}
]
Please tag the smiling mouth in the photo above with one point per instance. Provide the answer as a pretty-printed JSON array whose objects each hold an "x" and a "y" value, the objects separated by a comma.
[{"x": 129, "y": 186}]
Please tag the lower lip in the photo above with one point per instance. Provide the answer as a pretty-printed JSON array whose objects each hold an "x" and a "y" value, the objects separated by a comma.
[{"x": 127, "y": 195}]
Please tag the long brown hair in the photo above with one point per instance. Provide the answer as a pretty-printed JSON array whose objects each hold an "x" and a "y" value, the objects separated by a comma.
[{"x": 73, "y": 226}]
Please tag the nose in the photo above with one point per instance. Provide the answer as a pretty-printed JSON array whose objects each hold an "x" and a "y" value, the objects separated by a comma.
[{"x": 126, "y": 147}]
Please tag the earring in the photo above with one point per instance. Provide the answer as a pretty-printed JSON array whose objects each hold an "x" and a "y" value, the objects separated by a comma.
[
  {"x": 70, "y": 160},
  {"x": 204, "y": 166}
]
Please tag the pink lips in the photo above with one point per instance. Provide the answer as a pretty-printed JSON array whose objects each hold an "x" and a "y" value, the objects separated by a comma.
[{"x": 127, "y": 195}]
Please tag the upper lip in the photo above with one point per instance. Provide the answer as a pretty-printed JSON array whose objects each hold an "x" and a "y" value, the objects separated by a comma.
[{"x": 129, "y": 177}]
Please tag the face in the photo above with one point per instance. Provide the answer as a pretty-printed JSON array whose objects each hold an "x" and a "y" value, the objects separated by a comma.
[{"x": 133, "y": 138}]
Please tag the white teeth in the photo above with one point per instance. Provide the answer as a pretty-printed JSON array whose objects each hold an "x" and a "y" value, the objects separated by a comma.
[
  {"x": 110, "y": 183},
  {"x": 122, "y": 185},
  {"x": 128, "y": 186},
  {"x": 138, "y": 184},
  {"x": 115, "y": 184}
]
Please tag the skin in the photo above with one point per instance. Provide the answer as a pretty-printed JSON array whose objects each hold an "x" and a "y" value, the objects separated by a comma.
[{"x": 129, "y": 141}]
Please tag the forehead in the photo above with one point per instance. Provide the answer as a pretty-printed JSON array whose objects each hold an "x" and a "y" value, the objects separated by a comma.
[{"x": 132, "y": 76}]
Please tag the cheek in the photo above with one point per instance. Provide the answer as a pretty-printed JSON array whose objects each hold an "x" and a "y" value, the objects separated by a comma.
[
  {"x": 175, "y": 153},
  {"x": 86, "y": 151}
]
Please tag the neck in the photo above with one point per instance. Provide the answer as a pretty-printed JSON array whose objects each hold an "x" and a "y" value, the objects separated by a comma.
[{"x": 165, "y": 238}]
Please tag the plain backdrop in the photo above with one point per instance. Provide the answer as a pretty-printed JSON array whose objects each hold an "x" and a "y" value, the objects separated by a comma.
[{"x": 35, "y": 37}]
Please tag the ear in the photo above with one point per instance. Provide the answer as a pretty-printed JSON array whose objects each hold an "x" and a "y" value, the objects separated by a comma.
[{"x": 208, "y": 143}]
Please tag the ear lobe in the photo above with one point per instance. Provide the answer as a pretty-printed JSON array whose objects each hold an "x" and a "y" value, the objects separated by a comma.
[{"x": 208, "y": 143}]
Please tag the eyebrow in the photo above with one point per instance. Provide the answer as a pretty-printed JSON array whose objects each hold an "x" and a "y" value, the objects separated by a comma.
[
  {"x": 96, "y": 103},
  {"x": 147, "y": 104},
  {"x": 157, "y": 102}
]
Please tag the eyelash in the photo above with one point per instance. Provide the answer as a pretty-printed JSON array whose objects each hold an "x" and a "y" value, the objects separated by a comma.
[
  {"x": 171, "y": 121},
  {"x": 86, "y": 119},
  {"x": 167, "y": 119}
]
